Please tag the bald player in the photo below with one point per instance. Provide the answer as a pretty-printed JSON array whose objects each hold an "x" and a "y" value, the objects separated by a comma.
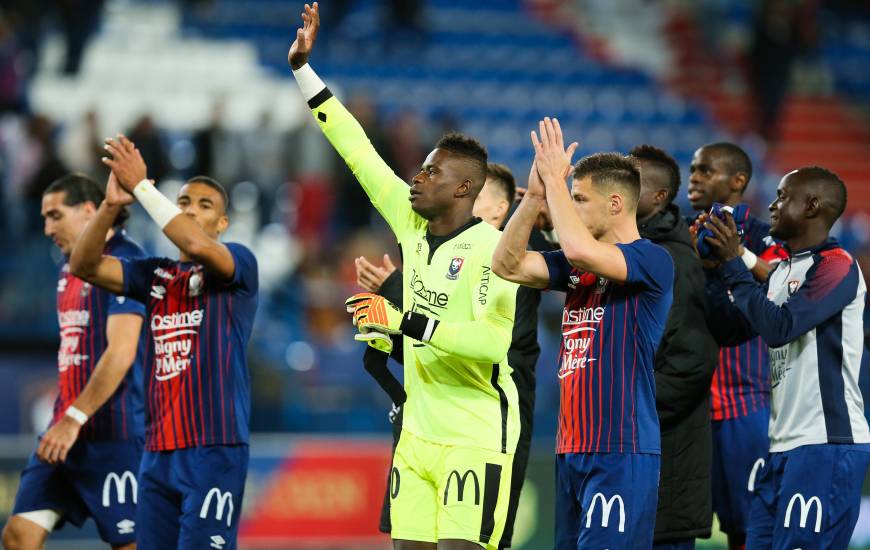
[{"x": 810, "y": 313}]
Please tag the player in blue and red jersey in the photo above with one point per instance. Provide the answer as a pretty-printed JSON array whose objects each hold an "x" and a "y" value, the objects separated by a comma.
[
  {"x": 200, "y": 312},
  {"x": 619, "y": 293},
  {"x": 86, "y": 462},
  {"x": 740, "y": 392}
]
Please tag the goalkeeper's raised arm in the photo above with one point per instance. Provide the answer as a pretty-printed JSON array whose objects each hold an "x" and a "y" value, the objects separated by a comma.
[{"x": 389, "y": 194}]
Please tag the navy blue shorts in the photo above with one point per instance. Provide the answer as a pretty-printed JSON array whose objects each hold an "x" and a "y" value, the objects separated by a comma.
[
  {"x": 191, "y": 498},
  {"x": 606, "y": 500},
  {"x": 98, "y": 480},
  {"x": 740, "y": 446},
  {"x": 808, "y": 498}
]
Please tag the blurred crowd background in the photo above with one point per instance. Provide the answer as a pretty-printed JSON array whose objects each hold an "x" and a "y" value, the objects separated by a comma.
[{"x": 202, "y": 87}]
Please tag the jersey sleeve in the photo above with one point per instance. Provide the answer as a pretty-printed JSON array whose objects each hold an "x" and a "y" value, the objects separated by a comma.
[
  {"x": 245, "y": 277},
  {"x": 388, "y": 193},
  {"x": 123, "y": 304},
  {"x": 648, "y": 265},
  {"x": 488, "y": 337},
  {"x": 138, "y": 275},
  {"x": 830, "y": 285},
  {"x": 559, "y": 268}
]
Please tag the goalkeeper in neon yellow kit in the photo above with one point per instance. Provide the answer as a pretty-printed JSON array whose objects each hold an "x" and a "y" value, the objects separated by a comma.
[{"x": 451, "y": 472}]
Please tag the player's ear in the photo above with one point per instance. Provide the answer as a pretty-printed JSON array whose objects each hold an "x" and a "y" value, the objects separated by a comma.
[
  {"x": 616, "y": 204},
  {"x": 463, "y": 189},
  {"x": 738, "y": 182},
  {"x": 813, "y": 206},
  {"x": 223, "y": 224}
]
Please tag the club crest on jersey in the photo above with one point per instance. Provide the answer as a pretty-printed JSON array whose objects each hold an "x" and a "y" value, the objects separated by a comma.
[
  {"x": 601, "y": 286},
  {"x": 86, "y": 289},
  {"x": 196, "y": 284},
  {"x": 793, "y": 287},
  {"x": 455, "y": 266}
]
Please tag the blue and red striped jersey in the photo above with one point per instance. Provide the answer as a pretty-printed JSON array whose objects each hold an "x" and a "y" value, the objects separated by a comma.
[
  {"x": 82, "y": 313},
  {"x": 610, "y": 333},
  {"x": 197, "y": 387},
  {"x": 741, "y": 381}
]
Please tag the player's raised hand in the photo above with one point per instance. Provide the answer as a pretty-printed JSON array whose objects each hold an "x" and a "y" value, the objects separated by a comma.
[
  {"x": 305, "y": 37},
  {"x": 125, "y": 161},
  {"x": 370, "y": 276},
  {"x": 117, "y": 196},
  {"x": 58, "y": 440},
  {"x": 552, "y": 159}
]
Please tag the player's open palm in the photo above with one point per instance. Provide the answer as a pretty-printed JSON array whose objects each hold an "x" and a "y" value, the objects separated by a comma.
[
  {"x": 552, "y": 159},
  {"x": 115, "y": 194},
  {"x": 305, "y": 37},
  {"x": 370, "y": 276},
  {"x": 126, "y": 162}
]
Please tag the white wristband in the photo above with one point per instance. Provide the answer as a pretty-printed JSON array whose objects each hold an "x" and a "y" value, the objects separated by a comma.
[
  {"x": 161, "y": 209},
  {"x": 749, "y": 258},
  {"x": 309, "y": 83},
  {"x": 77, "y": 415}
]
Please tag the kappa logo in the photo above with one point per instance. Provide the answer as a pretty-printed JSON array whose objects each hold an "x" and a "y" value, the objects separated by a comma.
[
  {"x": 606, "y": 505},
  {"x": 125, "y": 526},
  {"x": 224, "y": 500},
  {"x": 158, "y": 292},
  {"x": 806, "y": 506},
  {"x": 217, "y": 541},
  {"x": 455, "y": 266},
  {"x": 759, "y": 464},
  {"x": 120, "y": 483}
]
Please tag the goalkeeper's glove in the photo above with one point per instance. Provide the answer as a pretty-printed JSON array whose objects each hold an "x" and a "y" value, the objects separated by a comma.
[
  {"x": 378, "y": 340},
  {"x": 373, "y": 313}
]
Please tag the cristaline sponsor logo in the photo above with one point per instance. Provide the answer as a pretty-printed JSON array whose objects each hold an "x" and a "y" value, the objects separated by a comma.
[
  {"x": 173, "y": 343},
  {"x": 578, "y": 328},
  {"x": 179, "y": 319}
]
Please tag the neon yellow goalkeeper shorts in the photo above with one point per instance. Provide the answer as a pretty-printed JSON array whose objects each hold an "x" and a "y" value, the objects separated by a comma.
[{"x": 440, "y": 492}]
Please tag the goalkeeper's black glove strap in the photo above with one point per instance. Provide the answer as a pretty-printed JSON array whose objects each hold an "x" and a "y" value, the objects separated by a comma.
[{"x": 418, "y": 326}]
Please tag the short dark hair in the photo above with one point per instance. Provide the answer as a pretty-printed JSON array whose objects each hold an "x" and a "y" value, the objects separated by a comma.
[
  {"x": 652, "y": 154},
  {"x": 502, "y": 176},
  {"x": 214, "y": 184},
  {"x": 830, "y": 187},
  {"x": 735, "y": 157},
  {"x": 460, "y": 144},
  {"x": 611, "y": 170},
  {"x": 80, "y": 188}
]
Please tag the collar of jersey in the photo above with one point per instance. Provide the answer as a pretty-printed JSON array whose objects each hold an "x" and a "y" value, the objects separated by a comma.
[{"x": 437, "y": 240}]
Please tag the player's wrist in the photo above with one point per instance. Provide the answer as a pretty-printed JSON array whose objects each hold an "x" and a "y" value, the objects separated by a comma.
[
  {"x": 749, "y": 258},
  {"x": 309, "y": 83},
  {"x": 418, "y": 326},
  {"x": 76, "y": 415},
  {"x": 159, "y": 207}
]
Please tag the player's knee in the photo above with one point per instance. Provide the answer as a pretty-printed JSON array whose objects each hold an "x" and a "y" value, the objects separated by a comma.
[
  {"x": 130, "y": 546},
  {"x": 15, "y": 537}
]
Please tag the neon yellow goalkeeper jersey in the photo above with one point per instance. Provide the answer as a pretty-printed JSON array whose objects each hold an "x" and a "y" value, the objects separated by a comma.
[{"x": 459, "y": 385}]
